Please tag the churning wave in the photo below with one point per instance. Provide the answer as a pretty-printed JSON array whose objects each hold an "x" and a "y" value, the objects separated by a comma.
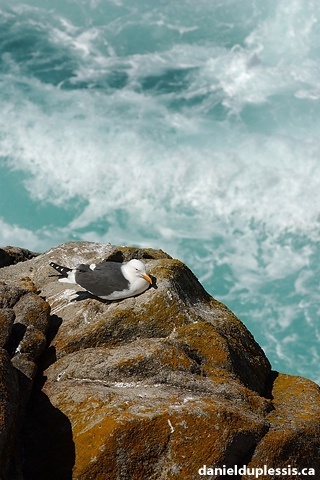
[{"x": 191, "y": 127}]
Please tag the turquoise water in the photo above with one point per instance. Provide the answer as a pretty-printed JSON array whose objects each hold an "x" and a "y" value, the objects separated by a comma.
[{"x": 187, "y": 126}]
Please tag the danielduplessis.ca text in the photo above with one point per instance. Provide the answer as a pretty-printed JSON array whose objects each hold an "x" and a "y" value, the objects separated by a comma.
[{"x": 256, "y": 471}]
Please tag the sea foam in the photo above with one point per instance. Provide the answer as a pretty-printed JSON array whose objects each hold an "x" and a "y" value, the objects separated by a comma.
[{"x": 188, "y": 127}]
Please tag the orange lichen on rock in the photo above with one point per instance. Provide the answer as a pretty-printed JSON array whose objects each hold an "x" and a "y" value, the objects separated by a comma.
[{"x": 294, "y": 434}]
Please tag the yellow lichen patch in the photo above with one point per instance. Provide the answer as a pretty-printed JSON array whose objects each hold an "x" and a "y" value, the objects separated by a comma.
[
  {"x": 137, "y": 447},
  {"x": 297, "y": 397},
  {"x": 294, "y": 436},
  {"x": 129, "y": 448},
  {"x": 81, "y": 336},
  {"x": 147, "y": 253},
  {"x": 206, "y": 345},
  {"x": 92, "y": 444},
  {"x": 119, "y": 435},
  {"x": 198, "y": 435},
  {"x": 160, "y": 316},
  {"x": 174, "y": 358},
  {"x": 26, "y": 283},
  {"x": 286, "y": 447},
  {"x": 38, "y": 316},
  {"x": 109, "y": 437}
]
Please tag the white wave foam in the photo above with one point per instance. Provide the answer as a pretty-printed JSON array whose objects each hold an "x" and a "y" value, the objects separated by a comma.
[
  {"x": 84, "y": 144},
  {"x": 173, "y": 132}
]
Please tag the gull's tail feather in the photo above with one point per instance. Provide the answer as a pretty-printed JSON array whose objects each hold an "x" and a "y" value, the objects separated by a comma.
[{"x": 64, "y": 271}]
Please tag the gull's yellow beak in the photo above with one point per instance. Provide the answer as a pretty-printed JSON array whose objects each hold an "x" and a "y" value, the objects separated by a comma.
[{"x": 146, "y": 277}]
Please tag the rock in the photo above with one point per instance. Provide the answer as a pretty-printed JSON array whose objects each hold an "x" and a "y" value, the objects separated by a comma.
[
  {"x": 7, "y": 317},
  {"x": 179, "y": 307},
  {"x": 12, "y": 255},
  {"x": 33, "y": 343},
  {"x": 9, "y": 295},
  {"x": 150, "y": 387},
  {"x": 149, "y": 403},
  {"x": 9, "y": 397},
  {"x": 32, "y": 310},
  {"x": 24, "y": 318},
  {"x": 294, "y": 434}
]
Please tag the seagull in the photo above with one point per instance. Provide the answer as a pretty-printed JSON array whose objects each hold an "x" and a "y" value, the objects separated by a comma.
[{"x": 108, "y": 280}]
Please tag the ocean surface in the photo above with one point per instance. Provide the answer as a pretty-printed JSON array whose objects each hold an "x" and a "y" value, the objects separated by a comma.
[{"x": 190, "y": 126}]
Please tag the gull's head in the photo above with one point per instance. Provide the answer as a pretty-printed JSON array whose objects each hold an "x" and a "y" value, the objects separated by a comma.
[{"x": 136, "y": 268}]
